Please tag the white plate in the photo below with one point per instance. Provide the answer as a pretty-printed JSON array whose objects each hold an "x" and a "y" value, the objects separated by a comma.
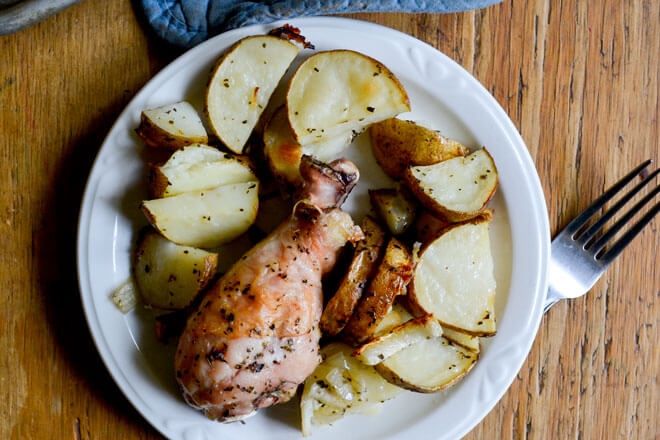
[{"x": 443, "y": 95}]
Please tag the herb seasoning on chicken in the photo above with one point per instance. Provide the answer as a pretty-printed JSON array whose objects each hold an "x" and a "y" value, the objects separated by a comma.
[{"x": 255, "y": 336}]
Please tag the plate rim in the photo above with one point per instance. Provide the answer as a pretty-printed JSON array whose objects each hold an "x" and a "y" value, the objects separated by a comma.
[{"x": 540, "y": 217}]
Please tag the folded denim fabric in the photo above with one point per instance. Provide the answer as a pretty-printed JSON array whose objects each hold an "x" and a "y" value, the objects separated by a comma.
[{"x": 187, "y": 23}]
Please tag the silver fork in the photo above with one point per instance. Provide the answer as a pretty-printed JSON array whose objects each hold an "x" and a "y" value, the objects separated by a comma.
[{"x": 577, "y": 257}]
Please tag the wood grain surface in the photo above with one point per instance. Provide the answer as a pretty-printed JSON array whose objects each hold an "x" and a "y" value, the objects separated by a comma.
[{"x": 580, "y": 80}]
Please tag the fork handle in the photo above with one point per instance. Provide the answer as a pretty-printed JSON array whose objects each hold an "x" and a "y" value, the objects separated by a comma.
[{"x": 551, "y": 298}]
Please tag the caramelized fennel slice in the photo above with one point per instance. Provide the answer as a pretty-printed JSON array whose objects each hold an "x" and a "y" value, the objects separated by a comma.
[{"x": 341, "y": 385}]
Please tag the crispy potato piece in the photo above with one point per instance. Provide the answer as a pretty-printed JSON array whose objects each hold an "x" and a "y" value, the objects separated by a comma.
[
  {"x": 468, "y": 342},
  {"x": 171, "y": 126},
  {"x": 206, "y": 218},
  {"x": 391, "y": 279},
  {"x": 341, "y": 385},
  {"x": 402, "y": 336},
  {"x": 397, "y": 316},
  {"x": 241, "y": 85},
  {"x": 396, "y": 207},
  {"x": 341, "y": 91},
  {"x": 283, "y": 153},
  {"x": 198, "y": 167},
  {"x": 429, "y": 226},
  {"x": 363, "y": 265},
  {"x": 169, "y": 276},
  {"x": 428, "y": 366},
  {"x": 456, "y": 189},
  {"x": 397, "y": 144},
  {"x": 454, "y": 280}
]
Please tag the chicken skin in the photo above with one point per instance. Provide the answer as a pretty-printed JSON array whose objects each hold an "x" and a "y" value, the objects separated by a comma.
[{"x": 255, "y": 337}]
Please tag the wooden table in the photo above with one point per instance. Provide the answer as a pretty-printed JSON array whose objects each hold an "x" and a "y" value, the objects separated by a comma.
[{"x": 580, "y": 79}]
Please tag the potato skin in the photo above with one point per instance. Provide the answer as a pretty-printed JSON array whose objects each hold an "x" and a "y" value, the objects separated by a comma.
[
  {"x": 155, "y": 137},
  {"x": 429, "y": 226},
  {"x": 339, "y": 309},
  {"x": 397, "y": 144},
  {"x": 158, "y": 182},
  {"x": 392, "y": 277}
]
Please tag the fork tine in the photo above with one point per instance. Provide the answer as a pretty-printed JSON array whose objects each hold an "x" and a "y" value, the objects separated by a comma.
[
  {"x": 579, "y": 221},
  {"x": 598, "y": 224},
  {"x": 624, "y": 241},
  {"x": 600, "y": 243}
]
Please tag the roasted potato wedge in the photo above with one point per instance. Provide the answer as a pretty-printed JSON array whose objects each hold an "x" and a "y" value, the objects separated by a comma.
[
  {"x": 468, "y": 342},
  {"x": 397, "y": 316},
  {"x": 396, "y": 207},
  {"x": 390, "y": 281},
  {"x": 454, "y": 280},
  {"x": 339, "y": 309},
  {"x": 402, "y": 336},
  {"x": 198, "y": 167},
  {"x": 456, "y": 189},
  {"x": 206, "y": 218},
  {"x": 341, "y": 385},
  {"x": 429, "y": 227},
  {"x": 168, "y": 275},
  {"x": 397, "y": 144},
  {"x": 241, "y": 85},
  {"x": 172, "y": 126},
  {"x": 283, "y": 153},
  {"x": 341, "y": 91},
  {"x": 427, "y": 366}
]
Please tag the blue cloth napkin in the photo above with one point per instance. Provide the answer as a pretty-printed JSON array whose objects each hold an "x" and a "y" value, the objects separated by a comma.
[{"x": 186, "y": 23}]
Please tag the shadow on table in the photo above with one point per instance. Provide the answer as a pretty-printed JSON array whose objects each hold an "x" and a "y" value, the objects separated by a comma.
[{"x": 54, "y": 247}]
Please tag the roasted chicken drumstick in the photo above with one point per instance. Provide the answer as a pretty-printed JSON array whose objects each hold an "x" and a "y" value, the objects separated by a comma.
[{"x": 254, "y": 337}]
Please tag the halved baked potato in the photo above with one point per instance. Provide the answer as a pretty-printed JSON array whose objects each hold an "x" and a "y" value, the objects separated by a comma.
[
  {"x": 456, "y": 189},
  {"x": 197, "y": 167},
  {"x": 402, "y": 336},
  {"x": 339, "y": 309},
  {"x": 205, "y": 218},
  {"x": 427, "y": 366},
  {"x": 341, "y": 91},
  {"x": 283, "y": 153},
  {"x": 168, "y": 275},
  {"x": 172, "y": 126},
  {"x": 397, "y": 144},
  {"x": 454, "y": 280},
  {"x": 395, "y": 206},
  {"x": 392, "y": 277},
  {"x": 241, "y": 85},
  {"x": 341, "y": 385}
]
